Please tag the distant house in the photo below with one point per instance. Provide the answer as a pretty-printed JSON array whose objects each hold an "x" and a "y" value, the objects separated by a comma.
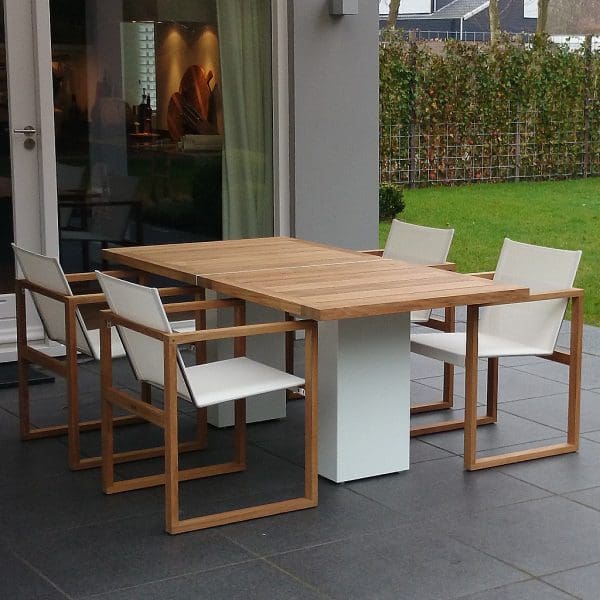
[{"x": 461, "y": 19}]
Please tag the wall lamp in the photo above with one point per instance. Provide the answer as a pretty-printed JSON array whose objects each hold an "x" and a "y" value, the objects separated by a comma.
[{"x": 343, "y": 7}]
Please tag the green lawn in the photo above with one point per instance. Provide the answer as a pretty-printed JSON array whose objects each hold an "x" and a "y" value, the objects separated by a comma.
[{"x": 561, "y": 214}]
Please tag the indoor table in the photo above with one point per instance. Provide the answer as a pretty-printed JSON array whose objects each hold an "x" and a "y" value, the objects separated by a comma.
[{"x": 362, "y": 303}]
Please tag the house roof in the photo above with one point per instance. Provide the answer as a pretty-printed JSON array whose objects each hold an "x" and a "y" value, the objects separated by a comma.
[{"x": 458, "y": 9}]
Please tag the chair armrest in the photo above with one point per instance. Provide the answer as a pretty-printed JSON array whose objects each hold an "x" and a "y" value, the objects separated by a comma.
[
  {"x": 83, "y": 277},
  {"x": 109, "y": 318},
  {"x": 180, "y": 290},
  {"x": 540, "y": 296},
  {"x": 202, "y": 305},
  {"x": 555, "y": 295},
  {"x": 373, "y": 252},
  {"x": 241, "y": 331},
  {"x": 38, "y": 289}
]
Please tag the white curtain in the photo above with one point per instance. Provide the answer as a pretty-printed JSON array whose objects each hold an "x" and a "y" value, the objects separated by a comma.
[{"x": 245, "y": 48}]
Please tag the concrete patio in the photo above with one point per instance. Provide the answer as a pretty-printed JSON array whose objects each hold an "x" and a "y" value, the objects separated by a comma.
[{"x": 523, "y": 532}]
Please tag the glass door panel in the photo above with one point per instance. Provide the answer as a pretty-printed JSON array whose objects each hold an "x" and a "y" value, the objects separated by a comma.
[
  {"x": 163, "y": 117},
  {"x": 7, "y": 270}
]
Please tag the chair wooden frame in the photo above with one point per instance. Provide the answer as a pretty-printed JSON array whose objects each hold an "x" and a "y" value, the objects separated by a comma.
[
  {"x": 167, "y": 418},
  {"x": 68, "y": 369},
  {"x": 572, "y": 359}
]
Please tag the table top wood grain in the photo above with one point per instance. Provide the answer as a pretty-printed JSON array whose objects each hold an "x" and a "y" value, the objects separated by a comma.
[{"x": 314, "y": 280}]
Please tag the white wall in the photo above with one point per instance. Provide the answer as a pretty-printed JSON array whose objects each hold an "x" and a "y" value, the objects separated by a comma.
[{"x": 407, "y": 6}]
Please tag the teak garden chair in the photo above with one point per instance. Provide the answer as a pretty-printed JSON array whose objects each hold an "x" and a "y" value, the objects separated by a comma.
[
  {"x": 520, "y": 329},
  {"x": 152, "y": 348},
  {"x": 59, "y": 311},
  {"x": 424, "y": 246}
]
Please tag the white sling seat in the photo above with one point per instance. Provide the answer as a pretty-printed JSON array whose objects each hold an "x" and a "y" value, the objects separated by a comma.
[
  {"x": 143, "y": 325},
  {"x": 523, "y": 328}
]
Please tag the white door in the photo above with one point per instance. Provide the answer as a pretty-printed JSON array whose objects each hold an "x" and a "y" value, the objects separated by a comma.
[{"x": 29, "y": 185}]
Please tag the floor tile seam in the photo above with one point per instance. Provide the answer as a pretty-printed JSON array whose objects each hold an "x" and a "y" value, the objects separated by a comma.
[
  {"x": 274, "y": 455},
  {"x": 500, "y": 401},
  {"x": 425, "y": 441},
  {"x": 533, "y": 578},
  {"x": 166, "y": 579},
  {"x": 452, "y": 453},
  {"x": 503, "y": 561},
  {"x": 530, "y": 420},
  {"x": 97, "y": 523},
  {"x": 425, "y": 519},
  {"x": 565, "y": 495},
  {"x": 521, "y": 370},
  {"x": 377, "y": 503},
  {"x": 298, "y": 579},
  {"x": 553, "y": 573},
  {"x": 535, "y": 485},
  {"x": 315, "y": 545},
  {"x": 428, "y": 460},
  {"x": 39, "y": 573}
]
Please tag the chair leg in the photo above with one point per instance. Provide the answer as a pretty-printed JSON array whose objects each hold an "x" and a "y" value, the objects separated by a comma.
[
  {"x": 108, "y": 437},
  {"x": 23, "y": 363},
  {"x": 311, "y": 451},
  {"x": 171, "y": 440},
  {"x": 492, "y": 389},
  {"x": 574, "y": 411},
  {"x": 290, "y": 338},
  {"x": 74, "y": 444},
  {"x": 24, "y": 415},
  {"x": 471, "y": 374}
]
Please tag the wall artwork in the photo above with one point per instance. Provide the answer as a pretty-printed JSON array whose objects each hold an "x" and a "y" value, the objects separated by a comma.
[{"x": 192, "y": 109}]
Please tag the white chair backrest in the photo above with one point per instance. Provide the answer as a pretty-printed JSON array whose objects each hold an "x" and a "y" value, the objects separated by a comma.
[
  {"x": 142, "y": 305},
  {"x": 420, "y": 245},
  {"x": 541, "y": 269},
  {"x": 46, "y": 272}
]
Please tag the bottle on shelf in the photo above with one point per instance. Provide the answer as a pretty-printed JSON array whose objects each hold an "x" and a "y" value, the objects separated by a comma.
[
  {"x": 148, "y": 115},
  {"x": 142, "y": 112}
]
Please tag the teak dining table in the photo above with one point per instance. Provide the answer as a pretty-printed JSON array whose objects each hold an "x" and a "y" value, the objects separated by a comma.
[{"x": 362, "y": 303}]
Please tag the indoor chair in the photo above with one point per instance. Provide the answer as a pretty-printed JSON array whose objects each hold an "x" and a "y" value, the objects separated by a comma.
[
  {"x": 59, "y": 311},
  {"x": 525, "y": 328},
  {"x": 152, "y": 348}
]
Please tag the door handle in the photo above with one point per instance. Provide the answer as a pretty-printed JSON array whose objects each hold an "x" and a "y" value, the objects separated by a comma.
[{"x": 29, "y": 130}]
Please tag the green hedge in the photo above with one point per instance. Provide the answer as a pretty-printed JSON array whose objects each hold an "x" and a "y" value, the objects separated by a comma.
[{"x": 470, "y": 96}]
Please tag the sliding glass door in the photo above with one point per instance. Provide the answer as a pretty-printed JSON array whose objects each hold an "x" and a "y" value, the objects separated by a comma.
[
  {"x": 138, "y": 121},
  {"x": 163, "y": 115}
]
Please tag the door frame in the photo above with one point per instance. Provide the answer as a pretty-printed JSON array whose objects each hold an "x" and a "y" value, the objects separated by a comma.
[{"x": 35, "y": 217}]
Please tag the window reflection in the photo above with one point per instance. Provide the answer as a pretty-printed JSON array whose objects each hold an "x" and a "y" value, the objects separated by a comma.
[{"x": 163, "y": 119}]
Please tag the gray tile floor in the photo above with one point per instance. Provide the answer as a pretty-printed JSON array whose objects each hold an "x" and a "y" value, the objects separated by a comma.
[{"x": 524, "y": 532}]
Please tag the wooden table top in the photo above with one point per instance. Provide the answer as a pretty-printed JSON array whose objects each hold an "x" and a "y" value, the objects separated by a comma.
[
  {"x": 187, "y": 262},
  {"x": 314, "y": 280}
]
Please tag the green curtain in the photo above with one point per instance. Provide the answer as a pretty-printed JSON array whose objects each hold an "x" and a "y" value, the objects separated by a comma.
[{"x": 245, "y": 48}]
